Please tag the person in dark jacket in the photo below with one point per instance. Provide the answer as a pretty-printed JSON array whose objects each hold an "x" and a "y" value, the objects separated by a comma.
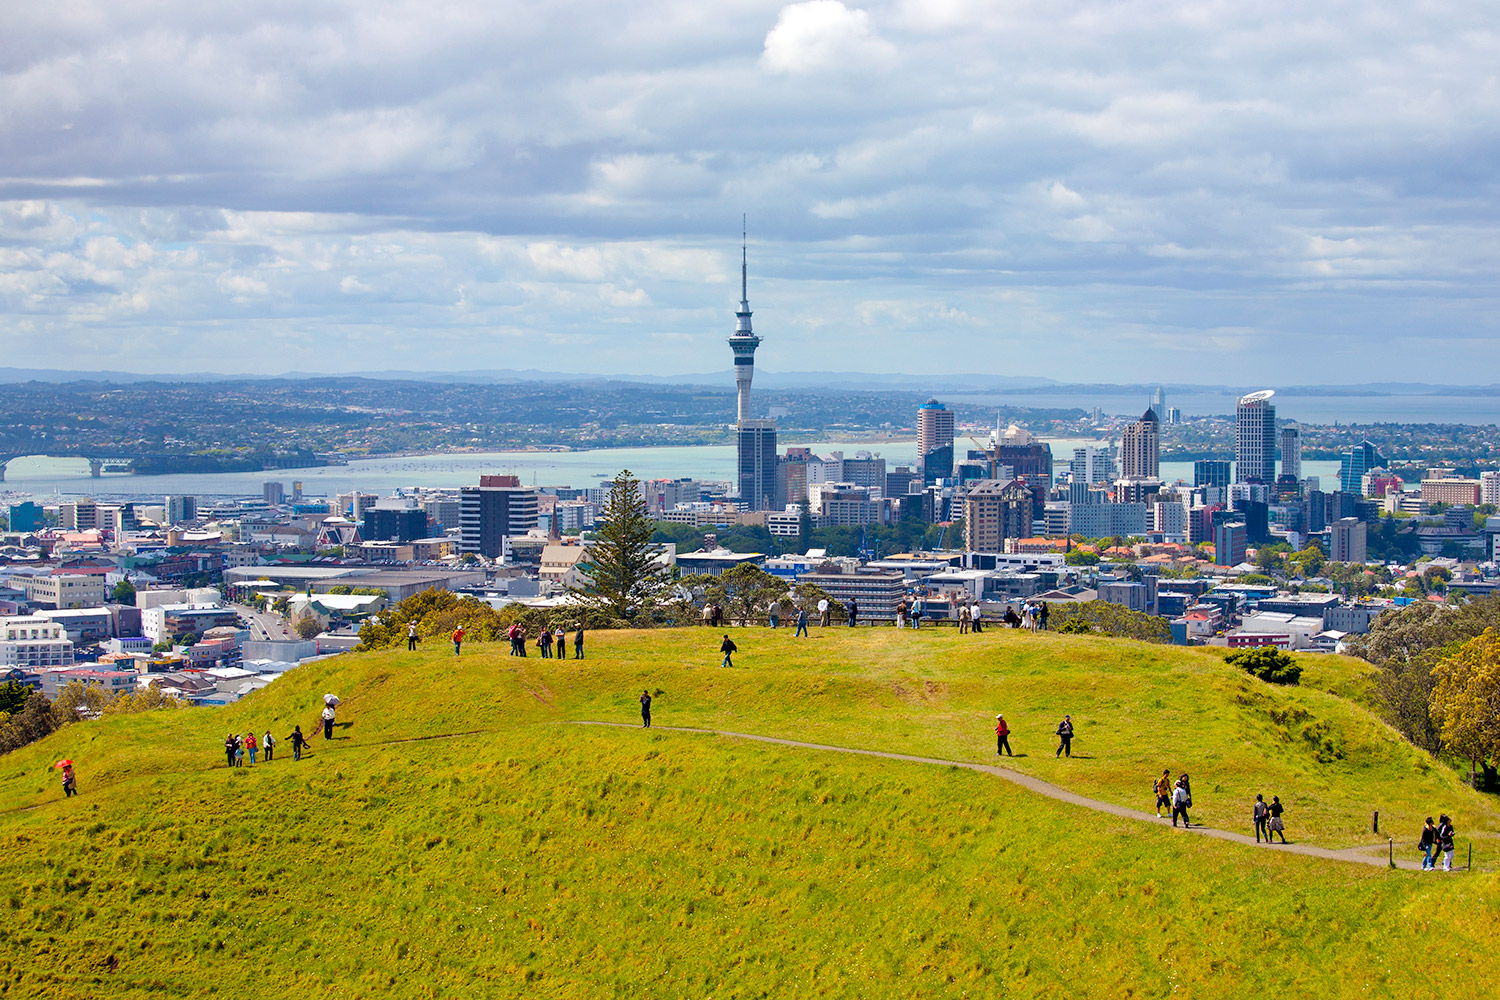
[
  {"x": 1261, "y": 814},
  {"x": 646, "y": 709},
  {"x": 1012, "y": 619},
  {"x": 1182, "y": 800},
  {"x": 853, "y": 612},
  {"x": 298, "y": 741},
  {"x": 1445, "y": 835},
  {"x": 1065, "y": 737},
  {"x": 578, "y": 642},
  {"x": 1277, "y": 826},
  {"x": 544, "y": 642},
  {"x": 231, "y": 744},
  {"x": 1428, "y": 844},
  {"x": 801, "y": 622},
  {"x": 728, "y": 648}
]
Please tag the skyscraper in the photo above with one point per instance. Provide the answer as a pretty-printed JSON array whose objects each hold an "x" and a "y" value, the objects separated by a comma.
[
  {"x": 495, "y": 509},
  {"x": 935, "y": 441},
  {"x": 744, "y": 341},
  {"x": 1255, "y": 438},
  {"x": 1355, "y": 463},
  {"x": 1140, "y": 449},
  {"x": 1291, "y": 452},
  {"x": 755, "y": 439}
]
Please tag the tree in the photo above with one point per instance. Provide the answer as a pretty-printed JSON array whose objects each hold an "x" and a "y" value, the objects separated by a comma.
[
  {"x": 13, "y": 695},
  {"x": 748, "y": 590},
  {"x": 124, "y": 593},
  {"x": 1103, "y": 618},
  {"x": 1081, "y": 557},
  {"x": 308, "y": 626},
  {"x": 35, "y": 720},
  {"x": 1466, "y": 702},
  {"x": 622, "y": 572},
  {"x": 1267, "y": 663}
]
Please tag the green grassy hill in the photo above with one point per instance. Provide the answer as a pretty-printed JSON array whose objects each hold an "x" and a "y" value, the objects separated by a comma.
[{"x": 457, "y": 839}]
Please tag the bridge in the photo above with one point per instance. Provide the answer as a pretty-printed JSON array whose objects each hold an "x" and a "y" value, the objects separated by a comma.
[{"x": 97, "y": 465}]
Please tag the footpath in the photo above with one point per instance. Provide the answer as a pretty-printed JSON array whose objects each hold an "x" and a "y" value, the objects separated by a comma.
[{"x": 1358, "y": 855}]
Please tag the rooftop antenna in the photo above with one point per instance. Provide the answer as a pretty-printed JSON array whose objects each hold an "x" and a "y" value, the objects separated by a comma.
[{"x": 744, "y": 258}]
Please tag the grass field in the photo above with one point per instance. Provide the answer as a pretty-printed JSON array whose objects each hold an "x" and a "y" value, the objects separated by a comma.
[{"x": 533, "y": 858}]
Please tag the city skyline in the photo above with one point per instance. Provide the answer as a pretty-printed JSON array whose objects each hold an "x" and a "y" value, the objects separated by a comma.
[{"x": 1166, "y": 196}]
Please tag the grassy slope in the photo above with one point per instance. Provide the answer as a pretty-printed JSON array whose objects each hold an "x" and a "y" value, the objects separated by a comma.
[{"x": 667, "y": 864}]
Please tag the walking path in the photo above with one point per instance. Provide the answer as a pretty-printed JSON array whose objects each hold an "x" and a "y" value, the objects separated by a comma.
[{"x": 1360, "y": 855}]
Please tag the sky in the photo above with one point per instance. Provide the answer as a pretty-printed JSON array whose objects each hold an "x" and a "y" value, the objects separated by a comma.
[{"x": 1257, "y": 194}]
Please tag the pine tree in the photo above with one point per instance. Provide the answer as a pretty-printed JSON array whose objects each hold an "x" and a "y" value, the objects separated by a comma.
[{"x": 623, "y": 575}]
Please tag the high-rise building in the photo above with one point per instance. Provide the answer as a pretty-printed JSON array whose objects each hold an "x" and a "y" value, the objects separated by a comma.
[
  {"x": 1211, "y": 472},
  {"x": 1159, "y": 400},
  {"x": 1140, "y": 449},
  {"x": 394, "y": 521},
  {"x": 1255, "y": 438},
  {"x": 935, "y": 441},
  {"x": 1348, "y": 540},
  {"x": 1230, "y": 541},
  {"x": 273, "y": 493},
  {"x": 756, "y": 440},
  {"x": 994, "y": 510},
  {"x": 1354, "y": 463},
  {"x": 1489, "y": 487},
  {"x": 179, "y": 509},
  {"x": 1092, "y": 464},
  {"x": 490, "y": 512},
  {"x": 1291, "y": 452}
]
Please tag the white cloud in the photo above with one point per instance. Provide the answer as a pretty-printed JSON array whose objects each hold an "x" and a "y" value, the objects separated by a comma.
[{"x": 820, "y": 35}]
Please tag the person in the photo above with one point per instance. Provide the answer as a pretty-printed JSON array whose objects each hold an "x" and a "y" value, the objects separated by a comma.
[
  {"x": 544, "y": 642},
  {"x": 411, "y": 636},
  {"x": 1028, "y": 617},
  {"x": 458, "y": 639},
  {"x": 1181, "y": 801},
  {"x": 328, "y": 722},
  {"x": 230, "y": 743},
  {"x": 1163, "y": 789},
  {"x": 801, "y": 622},
  {"x": 250, "y": 746},
  {"x": 773, "y": 613},
  {"x": 1276, "y": 825},
  {"x": 901, "y": 614},
  {"x": 1042, "y": 615},
  {"x": 70, "y": 780},
  {"x": 1065, "y": 736},
  {"x": 1428, "y": 844},
  {"x": 1261, "y": 814},
  {"x": 578, "y": 642},
  {"x": 298, "y": 741},
  {"x": 963, "y": 619},
  {"x": 718, "y": 614},
  {"x": 1002, "y": 737},
  {"x": 916, "y": 613},
  {"x": 269, "y": 745},
  {"x": 1445, "y": 834},
  {"x": 853, "y": 612},
  {"x": 825, "y": 616},
  {"x": 975, "y": 625},
  {"x": 708, "y": 614},
  {"x": 646, "y": 709},
  {"x": 560, "y": 640},
  {"x": 1012, "y": 620},
  {"x": 239, "y": 753},
  {"x": 728, "y": 648}
]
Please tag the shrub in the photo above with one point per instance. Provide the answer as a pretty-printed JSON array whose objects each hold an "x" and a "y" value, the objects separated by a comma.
[{"x": 1267, "y": 663}]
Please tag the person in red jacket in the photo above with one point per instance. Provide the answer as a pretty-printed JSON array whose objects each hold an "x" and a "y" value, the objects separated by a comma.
[
  {"x": 1002, "y": 737},
  {"x": 458, "y": 639}
]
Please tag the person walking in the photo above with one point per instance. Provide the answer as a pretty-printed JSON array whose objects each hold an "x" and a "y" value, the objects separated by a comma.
[
  {"x": 1002, "y": 737},
  {"x": 269, "y": 745},
  {"x": 646, "y": 709},
  {"x": 825, "y": 614},
  {"x": 773, "y": 613},
  {"x": 250, "y": 746},
  {"x": 801, "y": 622},
  {"x": 578, "y": 642},
  {"x": 1261, "y": 813},
  {"x": 853, "y": 612},
  {"x": 544, "y": 642},
  {"x": 560, "y": 641},
  {"x": 1065, "y": 737},
  {"x": 411, "y": 636},
  {"x": 328, "y": 722},
  {"x": 1276, "y": 825},
  {"x": 1163, "y": 789},
  {"x": 70, "y": 780},
  {"x": 1182, "y": 800},
  {"x": 298, "y": 741},
  {"x": 1445, "y": 835},
  {"x": 230, "y": 742},
  {"x": 728, "y": 648},
  {"x": 1428, "y": 844},
  {"x": 458, "y": 639}
]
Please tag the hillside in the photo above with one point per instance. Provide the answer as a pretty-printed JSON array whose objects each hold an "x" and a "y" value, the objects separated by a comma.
[{"x": 457, "y": 839}]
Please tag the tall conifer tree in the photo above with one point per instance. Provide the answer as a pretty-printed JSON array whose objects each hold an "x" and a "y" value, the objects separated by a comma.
[{"x": 623, "y": 576}]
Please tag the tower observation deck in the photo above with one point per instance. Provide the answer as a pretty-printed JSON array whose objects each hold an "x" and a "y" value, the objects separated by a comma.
[{"x": 743, "y": 341}]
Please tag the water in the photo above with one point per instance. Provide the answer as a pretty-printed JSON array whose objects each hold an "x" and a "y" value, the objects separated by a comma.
[{"x": 49, "y": 477}]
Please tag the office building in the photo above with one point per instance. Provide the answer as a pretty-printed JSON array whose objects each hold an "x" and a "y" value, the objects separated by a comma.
[
  {"x": 1348, "y": 540},
  {"x": 1140, "y": 449},
  {"x": 1025, "y": 456},
  {"x": 490, "y": 512},
  {"x": 994, "y": 510},
  {"x": 394, "y": 521},
  {"x": 864, "y": 469},
  {"x": 1106, "y": 520},
  {"x": 27, "y": 516},
  {"x": 1291, "y": 452},
  {"x": 935, "y": 441},
  {"x": 180, "y": 509},
  {"x": 1211, "y": 472},
  {"x": 1092, "y": 464},
  {"x": 1489, "y": 488},
  {"x": 756, "y": 452},
  {"x": 1230, "y": 541},
  {"x": 1354, "y": 463},
  {"x": 1466, "y": 492},
  {"x": 34, "y": 644},
  {"x": 1255, "y": 438}
]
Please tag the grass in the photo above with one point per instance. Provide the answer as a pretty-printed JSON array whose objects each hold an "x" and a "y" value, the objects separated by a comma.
[{"x": 548, "y": 860}]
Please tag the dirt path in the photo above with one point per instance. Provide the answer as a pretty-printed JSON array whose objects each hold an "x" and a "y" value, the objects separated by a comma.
[{"x": 1359, "y": 855}]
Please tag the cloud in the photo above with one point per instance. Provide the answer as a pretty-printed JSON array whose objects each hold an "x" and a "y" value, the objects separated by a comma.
[{"x": 820, "y": 35}]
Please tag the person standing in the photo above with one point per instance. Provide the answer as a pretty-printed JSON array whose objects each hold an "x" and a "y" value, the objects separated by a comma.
[
  {"x": 328, "y": 722},
  {"x": 1261, "y": 814},
  {"x": 239, "y": 753},
  {"x": 963, "y": 619},
  {"x": 801, "y": 622},
  {"x": 773, "y": 613},
  {"x": 458, "y": 639},
  {"x": 646, "y": 709},
  {"x": 250, "y": 746},
  {"x": 269, "y": 745},
  {"x": 974, "y": 618},
  {"x": 298, "y": 741},
  {"x": 1163, "y": 788},
  {"x": 544, "y": 642},
  {"x": 230, "y": 742},
  {"x": 728, "y": 648},
  {"x": 825, "y": 616},
  {"x": 901, "y": 614},
  {"x": 1042, "y": 613},
  {"x": 853, "y": 612},
  {"x": 578, "y": 642},
  {"x": 560, "y": 640},
  {"x": 1181, "y": 802},
  {"x": 1065, "y": 737},
  {"x": 411, "y": 636},
  {"x": 1445, "y": 835},
  {"x": 917, "y": 607},
  {"x": 1002, "y": 737},
  {"x": 1428, "y": 844},
  {"x": 1277, "y": 826}
]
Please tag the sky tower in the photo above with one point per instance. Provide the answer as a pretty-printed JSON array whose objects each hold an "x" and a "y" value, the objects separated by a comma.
[{"x": 744, "y": 341}]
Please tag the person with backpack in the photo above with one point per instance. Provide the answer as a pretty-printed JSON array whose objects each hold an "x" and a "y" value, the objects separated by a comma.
[
  {"x": 1261, "y": 814},
  {"x": 1428, "y": 845},
  {"x": 728, "y": 648},
  {"x": 298, "y": 741},
  {"x": 1276, "y": 825},
  {"x": 269, "y": 745},
  {"x": 1182, "y": 801},
  {"x": 646, "y": 709},
  {"x": 1065, "y": 737},
  {"x": 1002, "y": 737},
  {"x": 1163, "y": 789},
  {"x": 1445, "y": 834},
  {"x": 458, "y": 639}
]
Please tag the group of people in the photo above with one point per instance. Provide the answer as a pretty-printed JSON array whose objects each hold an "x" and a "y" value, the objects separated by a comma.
[
  {"x": 237, "y": 747},
  {"x": 909, "y": 611},
  {"x": 1437, "y": 839},
  {"x": 1064, "y": 737},
  {"x": 548, "y": 641},
  {"x": 1033, "y": 616}
]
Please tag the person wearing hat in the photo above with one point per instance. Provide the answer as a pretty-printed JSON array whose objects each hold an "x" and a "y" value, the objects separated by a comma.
[
  {"x": 1065, "y": 737},
  {"x": 1002, "y": 737}
]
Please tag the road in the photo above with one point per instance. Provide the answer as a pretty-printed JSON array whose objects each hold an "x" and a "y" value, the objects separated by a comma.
[{"x": 264, "y": 625}]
